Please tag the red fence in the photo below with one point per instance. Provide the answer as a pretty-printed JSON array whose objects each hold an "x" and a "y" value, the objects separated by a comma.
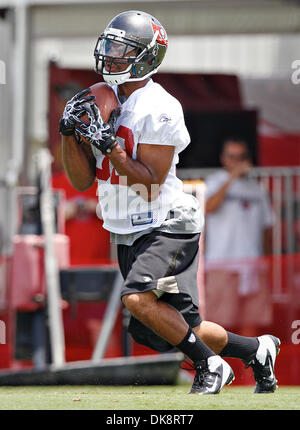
[{"x": 278, "y": 314}]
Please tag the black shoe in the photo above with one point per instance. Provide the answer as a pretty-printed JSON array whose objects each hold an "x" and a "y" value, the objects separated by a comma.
[
  {"x": 211, "y": 375},
  {"x": 263, "y": 363}
]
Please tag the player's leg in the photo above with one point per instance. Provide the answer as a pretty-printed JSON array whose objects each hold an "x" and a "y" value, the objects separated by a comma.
[
  {"x": 165, "y": 263},
  {"x": 226, "y": 343},
  {"x": 167, "y": 322},
  {"x": 213, "y": 335},
  {"x": 259, "y": 353}
]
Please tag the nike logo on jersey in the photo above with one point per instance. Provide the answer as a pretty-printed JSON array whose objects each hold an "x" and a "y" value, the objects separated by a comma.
[{"x": 165, "y": 118}]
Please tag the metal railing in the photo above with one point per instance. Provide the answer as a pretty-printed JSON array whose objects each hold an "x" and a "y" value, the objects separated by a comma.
[{"x": 283, "y": 187}]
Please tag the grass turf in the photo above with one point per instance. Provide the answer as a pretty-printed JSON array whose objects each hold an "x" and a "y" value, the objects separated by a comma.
[{"x": 144, "y": 398}]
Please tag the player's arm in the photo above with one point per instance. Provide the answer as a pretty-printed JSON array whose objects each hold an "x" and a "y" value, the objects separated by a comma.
[
  {"x": 145, "y": 174},
  {"x": 79, "y": 163},
  {"x": 214, "y": 202},
  {"x": 149, "y": 169}
]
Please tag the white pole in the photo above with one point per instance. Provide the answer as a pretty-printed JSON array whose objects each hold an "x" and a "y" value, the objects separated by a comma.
[
  {"x": 109, "y": 320},
  {"x": 56, "y": 328},
  {"x": 20, "y": 73}
]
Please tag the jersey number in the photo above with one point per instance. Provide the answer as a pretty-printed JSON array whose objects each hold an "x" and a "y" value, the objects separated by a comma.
[{"x": 107, "y": 170}]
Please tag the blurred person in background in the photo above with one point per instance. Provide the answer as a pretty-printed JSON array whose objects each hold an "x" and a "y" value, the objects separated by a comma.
[{"x": 239, "y": 223}]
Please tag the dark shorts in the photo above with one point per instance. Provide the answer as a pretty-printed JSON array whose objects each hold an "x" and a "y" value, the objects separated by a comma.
[{"x": 168, "y": 264}]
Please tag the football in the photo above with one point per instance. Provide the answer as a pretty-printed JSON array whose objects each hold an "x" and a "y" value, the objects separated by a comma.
[{"x": 106, "y": 101}]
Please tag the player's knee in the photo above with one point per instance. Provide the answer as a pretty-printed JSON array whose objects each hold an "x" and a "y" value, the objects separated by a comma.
[
  {"x": 138, "y": 303},
  {"x": 131, "y": 301}
]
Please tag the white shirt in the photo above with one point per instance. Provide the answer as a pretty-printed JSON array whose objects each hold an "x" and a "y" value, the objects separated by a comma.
[
  {"x": 235, "y": 230},
  {"x": 150, "y": 116}
]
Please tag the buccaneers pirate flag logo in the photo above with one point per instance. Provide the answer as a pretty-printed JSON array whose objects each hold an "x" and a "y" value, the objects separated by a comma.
[{"x": 162, "y": 37}]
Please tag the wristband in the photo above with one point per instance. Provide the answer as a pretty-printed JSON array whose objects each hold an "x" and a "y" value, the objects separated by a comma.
[
  {"x": 109, "y": 145},
  {"x": 64, "y": 131}
]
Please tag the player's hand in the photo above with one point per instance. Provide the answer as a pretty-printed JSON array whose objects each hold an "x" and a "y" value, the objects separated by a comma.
[
  {"x": 72, "y": 112},
  {"x": 99, "y": 133},
  {"x": 242, "y": 169}
]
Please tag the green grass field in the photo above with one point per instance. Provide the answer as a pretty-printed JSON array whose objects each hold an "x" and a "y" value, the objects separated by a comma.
[{"x": 143, "y": 398}]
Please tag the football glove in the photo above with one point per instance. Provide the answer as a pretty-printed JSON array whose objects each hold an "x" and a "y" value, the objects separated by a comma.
[
  {"x": 73, "y": 110},
  {"x": 98, "y": 133}
]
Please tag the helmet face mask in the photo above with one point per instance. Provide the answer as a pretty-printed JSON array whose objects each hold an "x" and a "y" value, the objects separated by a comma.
[{"x": 131, "y": 48}]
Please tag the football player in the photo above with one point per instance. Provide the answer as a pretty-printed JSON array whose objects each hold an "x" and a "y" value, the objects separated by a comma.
[{"x": 155, "y": 225}]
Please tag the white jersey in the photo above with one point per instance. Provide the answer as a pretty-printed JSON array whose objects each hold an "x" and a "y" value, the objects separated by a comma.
[
  {"x": 149, "y": 116},
  {"x": 235, "y": 230}
]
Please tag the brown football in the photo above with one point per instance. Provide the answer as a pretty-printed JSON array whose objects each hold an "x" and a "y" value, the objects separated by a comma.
[{"x": 106, "y": 101}]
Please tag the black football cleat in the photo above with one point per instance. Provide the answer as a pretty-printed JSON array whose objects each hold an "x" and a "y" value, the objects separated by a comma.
[
  {"x": 211, "y": 376},
  {"x": 263, "y": 363}
]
